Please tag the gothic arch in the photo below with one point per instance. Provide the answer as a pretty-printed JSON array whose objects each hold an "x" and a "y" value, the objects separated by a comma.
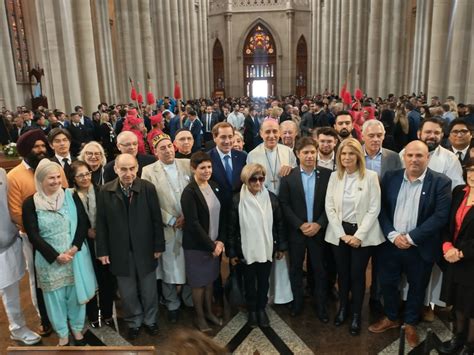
[
  {"x": 301, "y": 67},
  {"x": 259, "y": 55},
  {"x": 218, "y": 68},
  {"x": 250, "y": 27}
]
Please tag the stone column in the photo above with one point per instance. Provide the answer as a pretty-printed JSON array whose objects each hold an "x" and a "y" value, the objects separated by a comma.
[
  {"x": 438, "y": 61},
  {"x": 290, "y": 87},
  {"x": 203, "y": 21},
  {"x": 148, "y": 48},
  {"x": 197, "y": 65},
  {"x": 178, "y": 72},
  {"x": 458, "y": 42},
  {"x": 344, "y": 43},
  {"x": 396, "y": 55},
  {"x": 325, "y": 47},
  {"x": 386, "y": 39},
  {"x": 373, "y": 54},
  {"x": 337, "y": 43},
  {"x": 314, "y": 46},
  {"x": 231, "y": 89},
  {"x": 8, "y": 90},
  {"x": 161, "y": 43},
  {"x": 188, "y": 55},
  {"x": 469, "y": 94}
]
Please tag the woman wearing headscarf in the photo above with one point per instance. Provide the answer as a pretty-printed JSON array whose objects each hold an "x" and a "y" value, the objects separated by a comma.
[
  {"x": 85, "y": 190},
  {"x": 94, "y": 155},
  {"x": 56, "y": 225},
  {"x": 255, "y": 232}
]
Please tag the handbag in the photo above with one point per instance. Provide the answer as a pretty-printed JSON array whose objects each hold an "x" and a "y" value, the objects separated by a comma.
[{"x": 234, "y": 286}]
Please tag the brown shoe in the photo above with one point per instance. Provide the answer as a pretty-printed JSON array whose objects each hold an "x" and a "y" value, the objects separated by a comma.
[
  {"x": 427, "y": 314},
  {"x": 411, "y": 335},
  {"x": 383, "y": 325}
]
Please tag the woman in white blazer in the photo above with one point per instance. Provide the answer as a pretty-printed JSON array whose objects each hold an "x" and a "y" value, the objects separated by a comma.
[{"x": 352, "y": 208}]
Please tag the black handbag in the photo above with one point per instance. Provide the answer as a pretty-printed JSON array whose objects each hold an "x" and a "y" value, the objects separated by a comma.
[{"x": 234, "y": 286}]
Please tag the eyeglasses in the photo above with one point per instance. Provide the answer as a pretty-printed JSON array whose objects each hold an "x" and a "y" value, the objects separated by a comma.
[
  {"x": 90, "y": 154},
  {"x": 260, "y": 179},
  {"x": 83, "y": 176},
  {"x": 128, "y": 145},
  {"x": 461, "y": 132}
]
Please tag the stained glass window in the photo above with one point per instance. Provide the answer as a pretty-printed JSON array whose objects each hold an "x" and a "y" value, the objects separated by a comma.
[
  {"x": 259, "y": 43},
  {"x": 18, "y": 39}
]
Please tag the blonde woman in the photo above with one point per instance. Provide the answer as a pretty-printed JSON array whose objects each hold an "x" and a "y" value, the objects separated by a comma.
[
  {"x": 352, "y": 208},
  {"x": 401, "y": 127},
  {"x": 94, "y": 155}
]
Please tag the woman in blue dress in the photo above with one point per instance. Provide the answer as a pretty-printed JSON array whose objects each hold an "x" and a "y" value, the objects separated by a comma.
[{"x": 57, "y": 225}]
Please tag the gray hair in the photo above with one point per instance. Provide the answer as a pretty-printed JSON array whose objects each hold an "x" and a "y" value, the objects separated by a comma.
[
  {"x": 124, "y": 134},
  {"x": 371, "y": 123},
  {"x": 82, "y": 154}
]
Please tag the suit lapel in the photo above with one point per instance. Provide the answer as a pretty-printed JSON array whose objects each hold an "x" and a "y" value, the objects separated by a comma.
[
  {"x": 200, "y": 196},
  {"x": 359, "y": 191},
  {"x": 424, "y": 195},
  {"x": 235, "y": 168}
]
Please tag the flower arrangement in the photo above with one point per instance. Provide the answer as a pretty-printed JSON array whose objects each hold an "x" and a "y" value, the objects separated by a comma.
[{"x": 10, "y": 150}]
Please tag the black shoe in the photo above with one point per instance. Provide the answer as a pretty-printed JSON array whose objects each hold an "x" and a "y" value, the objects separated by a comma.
[
  {"x": 467, "y": 350},
  {"x": 152, "y": 329},
  {"x": 109, "y": 322},
  {"x": 133, "y": 333},
  {"x": 296, "y": 309},
  {"x": 263, "y": 320},
  {"x": 94, "y": 324},
  {"x": 355, "y": 324},
  {"x": 80, "y": 342},
  {"x": 453, "y": 345},
  {"x": 252, "y": 321},
  {"x": 341, "y": 316},
  {"x": 323, "y": 314},
  {"x": 173, "y": 316}
]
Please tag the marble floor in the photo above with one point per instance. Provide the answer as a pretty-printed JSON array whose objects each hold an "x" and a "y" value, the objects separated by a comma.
[{"x": 304, "y": 334}]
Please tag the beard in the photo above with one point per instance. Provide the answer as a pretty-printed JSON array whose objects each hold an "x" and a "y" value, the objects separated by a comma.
[
  {"x": 432, "y": 145},
  {"x": 33, "y": 159},
  {"x": 344, "y": 133}
]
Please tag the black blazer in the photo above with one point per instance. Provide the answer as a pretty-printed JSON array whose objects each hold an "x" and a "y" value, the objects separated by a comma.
[
  {"x": 233, "y": 237},
  {"x": 143, "y": 160},
  {"x": 292, "y": 200},
  {"x": 137, "y": 228},
  {"x": 67, "y": 172},
  {"x": 196, "y": 218},
  {"x": 462, "y": 271},
  {"x": 30, "y": 222}
]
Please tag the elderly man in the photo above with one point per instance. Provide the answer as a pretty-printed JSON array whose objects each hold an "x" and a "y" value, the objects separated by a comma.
[
  {"x": 183, "y": 143},
  {"x": 12, "y": 264},
  {"x": 127, "y": 143},
  {"x": 288, "y": 133},
  {"x": 278, "y": 159},
  {"x": 32, "y": 146},
  {"x": 170, "y": 176},
  {"x": 379, "y": 160},
  {"x": 129, "y": 237},
  {"x": 415, "y": 209}
]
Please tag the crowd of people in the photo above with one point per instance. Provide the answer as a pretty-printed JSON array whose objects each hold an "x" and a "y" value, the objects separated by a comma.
[{"x": 285, "y": 189}]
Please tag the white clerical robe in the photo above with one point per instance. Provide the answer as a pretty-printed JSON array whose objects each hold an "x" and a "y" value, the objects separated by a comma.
[{"x": 170, "y": 181}]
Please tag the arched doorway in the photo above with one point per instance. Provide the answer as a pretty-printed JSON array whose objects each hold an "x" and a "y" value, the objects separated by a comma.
[
  {"x": 301, "y": 67},
  {"x": 259, "y": 63},
  {"x": 218, "y": 69}
]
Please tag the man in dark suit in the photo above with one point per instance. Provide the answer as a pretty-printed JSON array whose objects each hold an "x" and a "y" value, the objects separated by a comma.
[
  {"x": 314, "y": 118},
  {"x": 86, "y": 122},
  {"x": 209, "y": 119},
  {"x": 302, "y": 196},
  {"x": 227, "y": 163},
  {"x": 251, "y": 131},
  {"x": 130, "y": 238},
  {"x": 194, "y": 125},
  {"x": 380, "y": 160},
  {"x": 79, "y": 134},
  {"x": 60, "y": 141},
  {"x": 415, "y": 208},
  {"x": 127, "y": 142},
  {"x": 460, "y": 136}
]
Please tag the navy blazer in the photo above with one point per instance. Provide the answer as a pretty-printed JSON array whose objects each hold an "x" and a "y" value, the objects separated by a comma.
[
  {"x": 239, "y": 159},
  {"x": 433, "y": 210},
  {"x": 196, "y": 131}
]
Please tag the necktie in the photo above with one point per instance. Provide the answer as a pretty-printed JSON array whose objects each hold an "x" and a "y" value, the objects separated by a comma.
[
  {"x": 228, "y": 169},
  {"x": 459, "y": 153},
  {"x": 66, "y": 167}
]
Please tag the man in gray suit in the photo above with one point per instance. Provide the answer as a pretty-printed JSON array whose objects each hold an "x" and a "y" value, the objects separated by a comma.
[{"x": 379, "y": 160}]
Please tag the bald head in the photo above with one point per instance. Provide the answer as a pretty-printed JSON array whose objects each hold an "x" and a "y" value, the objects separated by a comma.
[
  {"x": 416, "y": 159},
  {"x": 127, "y": 142}
]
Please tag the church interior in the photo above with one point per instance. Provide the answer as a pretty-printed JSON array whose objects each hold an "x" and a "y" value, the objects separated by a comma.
[{"x": 58, "y": 54}]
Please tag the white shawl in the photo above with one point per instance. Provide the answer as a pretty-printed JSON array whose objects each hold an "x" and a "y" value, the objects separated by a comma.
[{"x": 256, "y": 221}]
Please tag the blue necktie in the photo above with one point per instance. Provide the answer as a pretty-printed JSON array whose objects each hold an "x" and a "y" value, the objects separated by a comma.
[{"x": 228, "y": 169}]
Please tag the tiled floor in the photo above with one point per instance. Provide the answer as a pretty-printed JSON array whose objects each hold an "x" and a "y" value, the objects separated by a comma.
[{"x": 301, "y": 335}]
